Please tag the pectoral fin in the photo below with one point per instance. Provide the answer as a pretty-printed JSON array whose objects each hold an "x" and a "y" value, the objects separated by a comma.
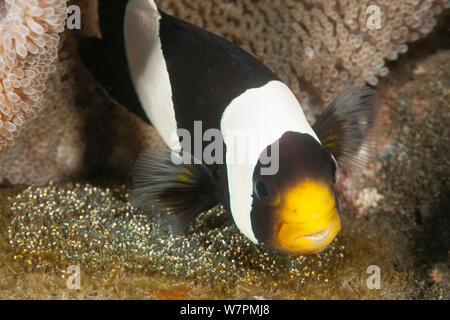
[
  {"x": 177, "y": 193},
  {"x": 348, "y": 128}
]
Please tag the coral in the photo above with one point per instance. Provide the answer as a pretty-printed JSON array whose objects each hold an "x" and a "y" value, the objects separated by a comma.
[
  {"x": 319, "y": 47},
  {"x": 29, "y": 46}
]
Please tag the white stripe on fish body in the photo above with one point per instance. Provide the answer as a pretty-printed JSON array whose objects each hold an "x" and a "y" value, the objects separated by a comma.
[
  {"x": 270, "y": 111},
  {"x": 148, "y": 68}
]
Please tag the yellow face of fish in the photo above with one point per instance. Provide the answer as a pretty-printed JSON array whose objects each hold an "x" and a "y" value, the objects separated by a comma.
[
  {"x": 296, "y": 210},
  {"x": 308, "y": 218}
]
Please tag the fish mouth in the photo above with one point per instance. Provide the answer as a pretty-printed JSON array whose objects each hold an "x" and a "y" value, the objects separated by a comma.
[
  {"x": 319, "y": 235},
  {"x": 294, "y": 239}
]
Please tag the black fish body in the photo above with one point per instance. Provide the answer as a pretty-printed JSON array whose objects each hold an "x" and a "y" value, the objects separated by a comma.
[{"x": 181, "y": 77}]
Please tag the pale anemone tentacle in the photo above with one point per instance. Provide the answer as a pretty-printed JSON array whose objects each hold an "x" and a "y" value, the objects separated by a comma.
[{"x": 28, "y": 49}]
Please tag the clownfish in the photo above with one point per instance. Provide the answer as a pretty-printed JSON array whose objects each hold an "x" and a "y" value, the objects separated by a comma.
[{"x": 207, "y": 97}]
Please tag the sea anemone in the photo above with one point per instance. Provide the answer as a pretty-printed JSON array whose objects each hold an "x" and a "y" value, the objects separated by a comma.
[
  {"x": 28, "y": 48},
  {"x": 66, "y": 140},
  {"x": 59, "y": 142},
  {"x": 319, "y": 47},
  {"x": 50, "y": 146}
]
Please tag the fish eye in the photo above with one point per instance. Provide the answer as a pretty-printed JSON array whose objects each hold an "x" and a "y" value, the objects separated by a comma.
[{"x": 261, "y": 189}]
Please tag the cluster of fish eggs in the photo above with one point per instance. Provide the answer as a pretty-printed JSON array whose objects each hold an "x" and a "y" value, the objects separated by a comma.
[{"x": 97, "y": 229}]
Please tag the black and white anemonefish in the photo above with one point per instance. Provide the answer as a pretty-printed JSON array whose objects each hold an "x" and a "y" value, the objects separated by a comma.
[{"x": 174, "y": 74}]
